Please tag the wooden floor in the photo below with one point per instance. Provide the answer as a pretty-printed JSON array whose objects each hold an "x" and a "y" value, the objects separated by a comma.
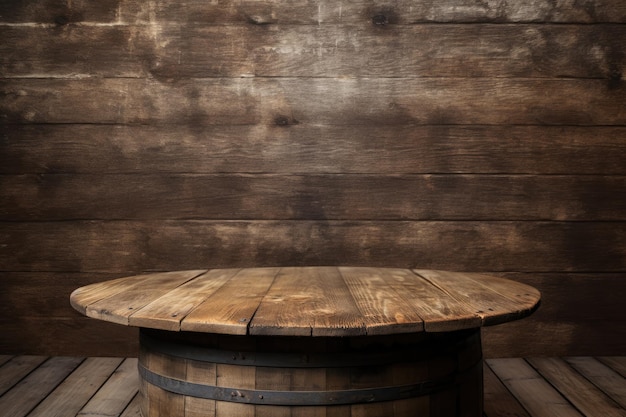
[{"x": 105, "y": 387}]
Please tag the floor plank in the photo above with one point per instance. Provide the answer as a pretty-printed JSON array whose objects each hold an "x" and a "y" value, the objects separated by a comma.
[
  {"x": 31, "y": 390},
  {"x": 16, "y": 369},
  {"x": 77, "y": 389},
  {"x": 578, "y": 390},
  {"x": 133, "y": 408},
  {"x": 535, "y": 393},
  {"x": 617, "y": 363},
  {"x": 603, "y": 377},
  {"x": 107, "y": 387},
  {"x": 115, "y": 395},
  {"x": 498, "y": 401}
]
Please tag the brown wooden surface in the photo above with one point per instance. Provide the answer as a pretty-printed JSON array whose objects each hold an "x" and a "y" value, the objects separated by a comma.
[
  {"x": 338, "y": 50},
  {"x": 333, "y": 101},
  {"x": 451, "y": 135},
  {"x": 439, "y": 358},
  {"x": 315, "y": 197},
  {"x": 313, "y": 149},
  {"x": 314, "y": 12},
  {"x": 309, "y": 301}
]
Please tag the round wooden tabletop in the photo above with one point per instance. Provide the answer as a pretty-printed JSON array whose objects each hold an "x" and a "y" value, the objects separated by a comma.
[{"x": 307, "y": 301}]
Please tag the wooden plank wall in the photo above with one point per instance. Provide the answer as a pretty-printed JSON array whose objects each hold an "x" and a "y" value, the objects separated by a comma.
[{"x": 142, "y": 136}]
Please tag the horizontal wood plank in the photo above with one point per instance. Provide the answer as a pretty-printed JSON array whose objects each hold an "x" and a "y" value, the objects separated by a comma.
[
  {"x": 312, "y": 12},
  {"x": 559, "y": 337},
  {"x": 47, "y": 197},
  {"x": 284, "y": 101},
  {"x": 445, "y": 50},
  {"x": 72, "y": 51},
  {"x": 170, "y": 245},
  {"x": 60, "y": 12},
  {"x": 68, "y": 336},
  {"x": 401, "y": 12},
  {"x": 312, "y": 149}
]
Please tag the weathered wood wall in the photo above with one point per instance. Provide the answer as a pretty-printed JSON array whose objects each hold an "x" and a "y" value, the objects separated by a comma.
[{"x": 155, "y": 135}]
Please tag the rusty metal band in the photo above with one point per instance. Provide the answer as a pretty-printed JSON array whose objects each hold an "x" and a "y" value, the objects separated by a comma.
[
  {"x": 302, "y": 398},
  {"x": 289, "y": 360}
]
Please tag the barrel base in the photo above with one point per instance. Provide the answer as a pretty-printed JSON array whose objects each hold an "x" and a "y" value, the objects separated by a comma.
[{"x": 421, "y": 374}]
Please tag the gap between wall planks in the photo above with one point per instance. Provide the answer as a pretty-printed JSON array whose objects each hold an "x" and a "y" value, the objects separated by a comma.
[{"x": 486, "y": 138}]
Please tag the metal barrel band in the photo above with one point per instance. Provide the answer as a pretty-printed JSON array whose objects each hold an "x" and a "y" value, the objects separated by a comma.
[
  {"x": 287, "y": 360},
  {"x": 302, "y": 398}
]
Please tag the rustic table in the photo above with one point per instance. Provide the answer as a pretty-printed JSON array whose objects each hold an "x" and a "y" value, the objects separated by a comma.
[{"x": 309, "y": 341}]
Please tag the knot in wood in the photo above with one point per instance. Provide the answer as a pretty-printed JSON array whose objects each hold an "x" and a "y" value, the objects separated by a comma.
[
  {"x": 380, "y": 20},
  {"x": 615, "y": 78},
  {"x": 281, "y": 121},
  {"x": 61, "y": 20}
]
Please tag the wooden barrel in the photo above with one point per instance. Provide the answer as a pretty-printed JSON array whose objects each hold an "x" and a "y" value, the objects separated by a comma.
[{"x": 418, "y": 374}]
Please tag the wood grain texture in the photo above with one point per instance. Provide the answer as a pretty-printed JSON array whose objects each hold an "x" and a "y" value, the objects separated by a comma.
[
  {"x": 437, "y": 309},
  {"x": 496, "y": 246},
  {"x": 308, "y": 302},
  {"x": 129, "y": 298},
  {"x": 570, "y": 320},
  {"x": 77, "y": 389},
  {"x": 27, "y": 394},
  {"x": 312, "y": 149},
  {"x": 229, "y": 310},
  {"x": 116, "y": 393},
  {"x": 172, "y": 51},
  {"x": 606, "y": 379},
  {"x": 539, "y": 397},
  {"x": 581, "y": 393},
  {"x": 383, "y": 309},
  {"x": 361, "y": 101},
  {"x": 16, "y": 369},
  {"x": 492, "y": 299},
  {"x": 315, "y": 301},
  {"x": 167, "y": 311},
  {"x": 52, "y": 197},
  {"x": 454, "y": 135},
  {"x": 59, "y": 12},
  {"x": 498, "y": 400},
  {"x": 401, "y": 12}
]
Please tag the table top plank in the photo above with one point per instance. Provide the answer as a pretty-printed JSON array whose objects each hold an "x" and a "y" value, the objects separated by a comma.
[
  {"x": 495, "y": 300},
  {"x": 230, "y": 309},
  {"x": 308, "y": 301},
  {"x": 118, "y": 307},
  {"x": 87, "y": 295},
  {"x": 168, "y": 311},
  {"x": 439, "y": 311},
  {"x": 382, "y": 308}
]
